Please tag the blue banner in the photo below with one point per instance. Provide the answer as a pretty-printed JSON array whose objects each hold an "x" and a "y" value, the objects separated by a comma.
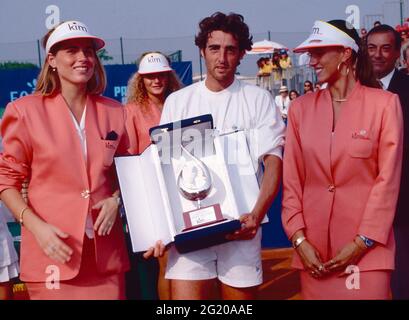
[{"x": 17, "y": 83}]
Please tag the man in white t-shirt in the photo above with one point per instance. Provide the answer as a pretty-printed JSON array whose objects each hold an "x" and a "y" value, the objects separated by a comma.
[{"x": 223, "y": 40}]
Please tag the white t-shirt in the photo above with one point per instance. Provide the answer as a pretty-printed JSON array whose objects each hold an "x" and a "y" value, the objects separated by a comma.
[{"x": 240, "y": 106}]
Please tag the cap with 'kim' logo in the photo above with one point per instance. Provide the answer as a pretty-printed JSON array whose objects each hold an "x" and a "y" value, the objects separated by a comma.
[
  {"x": 153, "y": 63},
  {"x": 324, "y": 34},
  {"x": 72, "y": 30}
]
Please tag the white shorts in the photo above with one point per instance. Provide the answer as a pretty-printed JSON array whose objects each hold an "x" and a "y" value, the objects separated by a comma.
[{"x": 235, "y": 263}]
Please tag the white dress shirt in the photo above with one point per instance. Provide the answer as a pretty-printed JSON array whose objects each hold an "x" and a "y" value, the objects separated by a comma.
[
  {"x": 386, "y": 80},
  {"x": 89, "y": 227}
]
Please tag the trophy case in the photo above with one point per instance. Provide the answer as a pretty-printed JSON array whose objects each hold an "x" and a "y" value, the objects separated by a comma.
[{"x": 189, "y": 187}]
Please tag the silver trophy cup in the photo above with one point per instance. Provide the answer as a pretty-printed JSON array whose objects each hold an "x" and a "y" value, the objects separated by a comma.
[
  {"x": 194, "y": 180},
  {"x": 195, "y": 183}
]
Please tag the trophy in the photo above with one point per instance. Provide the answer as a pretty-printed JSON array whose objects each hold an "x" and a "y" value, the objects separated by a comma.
[{"x": 195, "y": 183}]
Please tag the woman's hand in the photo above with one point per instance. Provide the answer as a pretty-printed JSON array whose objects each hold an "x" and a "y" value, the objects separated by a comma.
[
  {"x": 249, "y": 227},
  {"x": 50, "y": 240},
  {"x": 157, "y": 251},
  {"x": 311, "y": 259},
  {"x": 107, "y": 215},
  {"x": 350, "y": 254}
]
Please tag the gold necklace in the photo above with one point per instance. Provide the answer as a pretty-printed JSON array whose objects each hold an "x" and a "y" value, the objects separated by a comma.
[{"x": 339, "y": 100}]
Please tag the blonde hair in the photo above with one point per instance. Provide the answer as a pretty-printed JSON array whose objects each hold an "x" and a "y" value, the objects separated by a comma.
[
  {"x": 136, "y": 91},
  {"x": 48, "y": 81}
]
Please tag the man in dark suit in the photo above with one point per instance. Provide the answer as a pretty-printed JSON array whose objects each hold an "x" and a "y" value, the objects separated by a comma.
[{"x": 384, "y": 44}]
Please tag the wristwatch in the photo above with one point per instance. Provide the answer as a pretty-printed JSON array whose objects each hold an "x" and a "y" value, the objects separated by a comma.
[
  {"x": 368, "y": 242},
  {"x": 298, "y": 241}
]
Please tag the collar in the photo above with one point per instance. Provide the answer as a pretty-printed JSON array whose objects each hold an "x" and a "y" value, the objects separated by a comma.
[
  {"x": 233, "y": 85},
  {"x": 386, "y": 80}
]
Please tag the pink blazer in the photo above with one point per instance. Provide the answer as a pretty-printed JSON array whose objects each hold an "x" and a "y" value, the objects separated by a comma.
[
  {"x": 337, "y": 186},
  {"x": 138, "y": 124},
  {"x": 41, "y": 144}
]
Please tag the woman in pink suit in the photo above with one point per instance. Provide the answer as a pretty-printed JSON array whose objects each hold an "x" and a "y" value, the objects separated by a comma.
[
  {"x": 63, "y": 139},
  {"x": 342, "y": 166}
]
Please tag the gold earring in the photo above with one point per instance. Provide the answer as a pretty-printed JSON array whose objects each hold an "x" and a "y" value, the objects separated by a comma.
[{"x": 339, "y": 68}]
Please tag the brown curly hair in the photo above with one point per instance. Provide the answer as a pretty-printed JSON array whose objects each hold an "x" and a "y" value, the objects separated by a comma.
[
  {"x": 136, "y": 91},
  {"x": 232, "y": 23}
]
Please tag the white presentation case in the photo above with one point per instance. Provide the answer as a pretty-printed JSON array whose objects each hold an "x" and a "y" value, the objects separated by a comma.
[{"x": 153, "y": 204}]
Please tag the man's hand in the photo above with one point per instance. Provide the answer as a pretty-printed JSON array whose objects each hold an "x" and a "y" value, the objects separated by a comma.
[{"x": 249, "y": 227}]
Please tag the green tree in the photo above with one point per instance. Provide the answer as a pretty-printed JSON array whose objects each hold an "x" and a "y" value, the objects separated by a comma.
[{"x": 103, "y": 55}]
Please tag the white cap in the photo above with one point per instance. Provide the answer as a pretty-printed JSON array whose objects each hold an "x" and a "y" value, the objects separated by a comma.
[
  {"x": 153, "y": 63},
  {"x": 72, "y": 30},
  {"x": 283, "y": 89},
  {"x": 326, "y": 35}
]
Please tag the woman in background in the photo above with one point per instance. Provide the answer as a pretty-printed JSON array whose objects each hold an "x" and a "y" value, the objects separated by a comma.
[
  {"x": 308, "y": 87},
  {"x": 294, "y": 94},
  {"x": 147, "y": 91}
]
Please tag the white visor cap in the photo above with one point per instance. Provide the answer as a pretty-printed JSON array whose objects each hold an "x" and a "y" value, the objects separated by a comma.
[
  {"x": 72, "y": 30},
  {"x": 153, "y": 63},
  {"x": 326, "y": 35}
]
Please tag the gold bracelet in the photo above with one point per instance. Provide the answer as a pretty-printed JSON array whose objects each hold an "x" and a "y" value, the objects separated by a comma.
[
  {"x": 21, "y": 215},
  {"x": 297, "y": 242}
]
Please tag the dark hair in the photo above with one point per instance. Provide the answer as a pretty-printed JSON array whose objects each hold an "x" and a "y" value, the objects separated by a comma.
[
  {"x": 260, "y": 62},
  {"x": 384, "y": 28},
  {"x": 276, "y": 60},
  {"x": 363, "y": 70},
  {"x": 311, "y": 86},
  {"x": 293, "y": 91},
  {"x": 232, "y": 23}
]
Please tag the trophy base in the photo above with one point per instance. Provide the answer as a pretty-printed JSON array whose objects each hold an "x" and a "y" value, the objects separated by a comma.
[
  {"x": 202, "y": 217},
  {"x": 201, "y": 238}
]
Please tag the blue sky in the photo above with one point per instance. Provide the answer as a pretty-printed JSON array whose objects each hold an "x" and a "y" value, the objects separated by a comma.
[{"x": 170, "y": 25}]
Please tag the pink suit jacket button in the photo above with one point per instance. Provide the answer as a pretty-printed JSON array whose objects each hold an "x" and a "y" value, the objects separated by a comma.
[{"x": 85, "y": 194}]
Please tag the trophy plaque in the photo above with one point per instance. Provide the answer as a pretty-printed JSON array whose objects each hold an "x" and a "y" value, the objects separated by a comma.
[{"x": 195, "y": 183}]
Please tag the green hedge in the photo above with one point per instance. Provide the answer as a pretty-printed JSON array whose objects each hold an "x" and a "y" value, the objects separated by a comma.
[{"x": 16, "y": 65}]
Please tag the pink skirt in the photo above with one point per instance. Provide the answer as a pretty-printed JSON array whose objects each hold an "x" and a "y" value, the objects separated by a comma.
[
  {"x": 368, "y": 285},
  {"x": 87, "y": 285}
]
